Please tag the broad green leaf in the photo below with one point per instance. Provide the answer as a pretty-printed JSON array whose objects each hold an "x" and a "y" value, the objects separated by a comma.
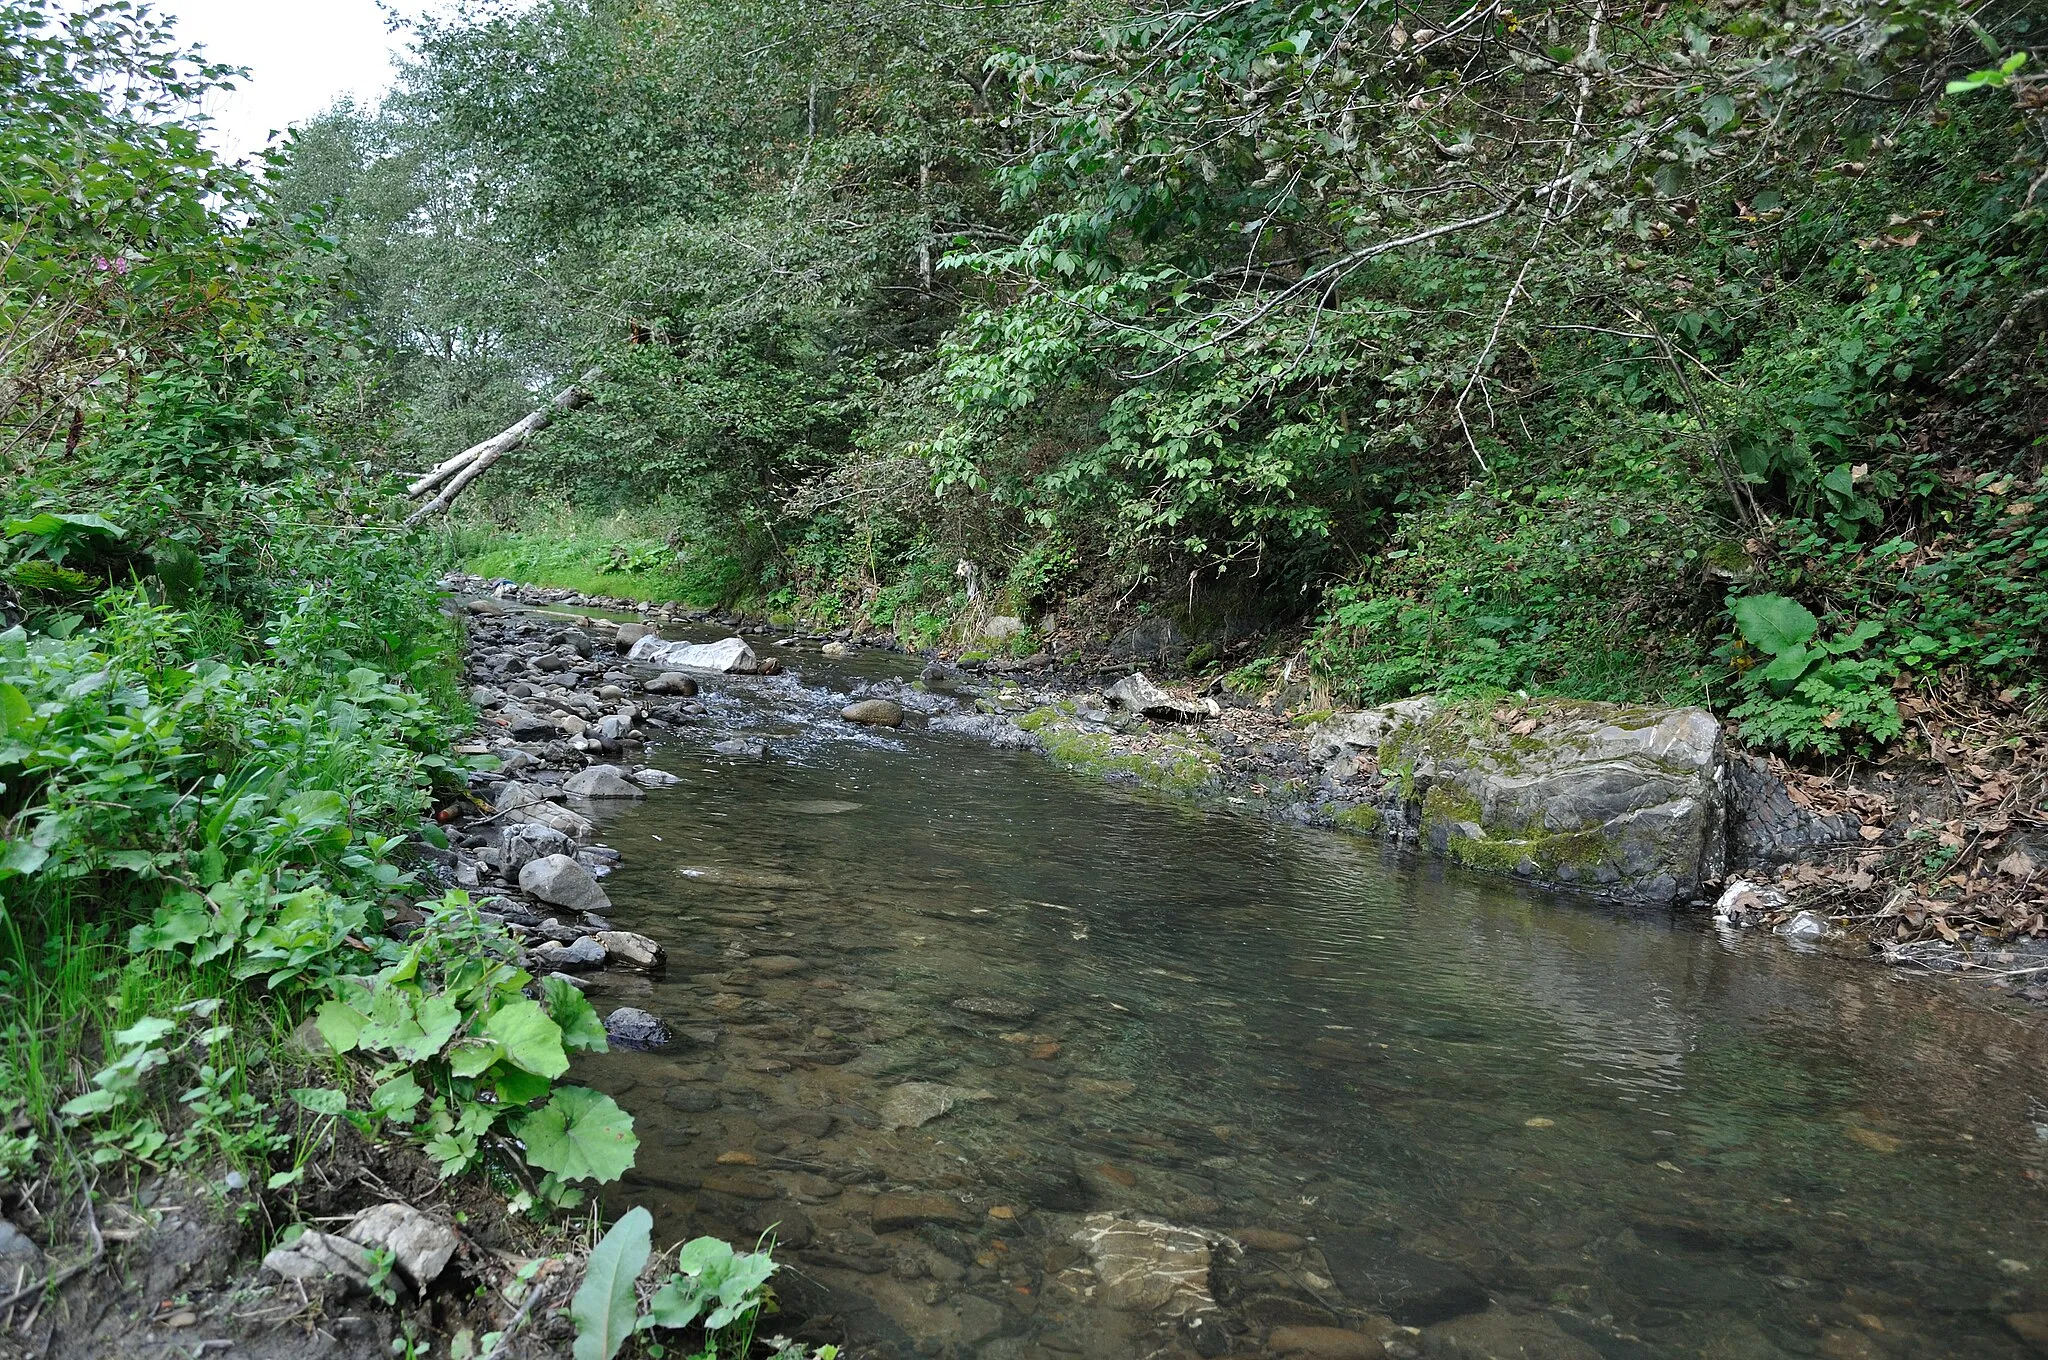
[
  {"x": 473, "y": 1057},
  {"x": 1773, "y": 623},
  {"x": 531, "y": 1040},
  {"x": 92, "y": 1102},
  {"x": 340, "y": 1024},
  {"x": 1790, "y": 664},
  {"x": 15, "y": 713},
  {"x": 582, "y": 1030},
  {"x": 439, "y": 1018},
  {"x": 579, "y": 1135},
  {"x": 604, "y": 1308},
  {"x": 145, "y": 1031}
]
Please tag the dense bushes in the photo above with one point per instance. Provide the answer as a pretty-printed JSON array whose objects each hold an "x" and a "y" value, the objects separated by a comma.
[{"x": 226, "y": 688}]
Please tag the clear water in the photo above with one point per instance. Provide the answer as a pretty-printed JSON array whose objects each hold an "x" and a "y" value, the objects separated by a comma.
[{"x": 1639, "y": 1138}]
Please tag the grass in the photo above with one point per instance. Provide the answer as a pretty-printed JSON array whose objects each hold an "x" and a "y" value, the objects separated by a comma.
[{"x": 619, "y": 555}]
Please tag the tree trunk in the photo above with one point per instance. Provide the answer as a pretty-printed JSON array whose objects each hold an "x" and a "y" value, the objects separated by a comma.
[{"x": 465, "y": 467}]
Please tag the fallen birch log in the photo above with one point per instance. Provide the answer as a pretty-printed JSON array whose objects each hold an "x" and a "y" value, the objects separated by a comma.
[{"x": 465, "y": 467}]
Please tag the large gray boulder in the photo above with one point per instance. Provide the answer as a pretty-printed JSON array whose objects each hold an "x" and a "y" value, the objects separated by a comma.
[
  {"x": 732, "y": 656},
  {"x": 601, "y": 781},
  {"x": 522, "y": 844},
  {"x": 518, "y": 804},
  {"x": 560, "y": 881},
  {"x": 1629, "y": 801}
]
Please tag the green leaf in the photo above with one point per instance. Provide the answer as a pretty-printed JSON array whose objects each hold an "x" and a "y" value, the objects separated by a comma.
[
  {"x": 1773, "y": 623},
  {"x": 145, "y": 1031},
  {"x": 341, "y": 1025},
  {"x": 439, "y": 1019},
  {"x": 1790, "y": 664},
  {"x": 579, "y": 1135},
  {"x": 397, "y": 1098},
  {"x": 320, "y": 1099},
  {"x": 604, "y": 1308},
  {"x": 16, "y": 716},
  {"x": 531, "y": 1040},
  {"x": 582, "y": 1030},
  {"x": 473, "y": 1057},
  {"x": 92, "y": 1102}
]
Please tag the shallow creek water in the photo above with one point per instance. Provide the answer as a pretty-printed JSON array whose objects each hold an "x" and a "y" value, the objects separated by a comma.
[{"x": 1636, "y": 1137}]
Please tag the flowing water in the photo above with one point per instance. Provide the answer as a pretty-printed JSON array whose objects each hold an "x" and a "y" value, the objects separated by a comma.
[{"x": 1395, "y": 1086}]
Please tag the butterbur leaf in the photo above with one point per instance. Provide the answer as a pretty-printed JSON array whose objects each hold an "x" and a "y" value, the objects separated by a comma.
[
  {"x": 473, "y": 1057},
  {"x": 145, "y": 1031},
  {"x": 531, "y": 1040},
  {"x": 341, "y": 1025},
  {"x": 579, "y": 1135},
  {"x": 1773, "y": 623},
  {"x": 92, "y": 1102},
  {"x": 569, "y": 1008},
  {"x": 604, "y": 1308},
  {"x": 439, "y": 1018}
]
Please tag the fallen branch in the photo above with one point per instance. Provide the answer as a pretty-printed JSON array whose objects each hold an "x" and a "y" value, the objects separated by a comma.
[{"x": 472, "y": 463}]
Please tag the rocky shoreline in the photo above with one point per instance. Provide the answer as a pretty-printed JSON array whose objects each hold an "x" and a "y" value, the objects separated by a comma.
[{"x": 1637, "y": 805}]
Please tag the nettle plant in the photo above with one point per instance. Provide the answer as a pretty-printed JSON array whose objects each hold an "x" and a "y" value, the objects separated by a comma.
[{"x": 1803, "y": 693}]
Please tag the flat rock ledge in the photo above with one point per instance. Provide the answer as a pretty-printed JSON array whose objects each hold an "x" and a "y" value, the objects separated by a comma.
[{"x": 1629, "y": 801}]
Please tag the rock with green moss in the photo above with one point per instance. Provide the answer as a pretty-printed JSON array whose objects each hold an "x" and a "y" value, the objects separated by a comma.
[{"x": 1628, "y": 801}]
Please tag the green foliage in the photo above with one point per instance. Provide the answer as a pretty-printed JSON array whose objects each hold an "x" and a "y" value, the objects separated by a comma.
[
  {"x": 1810, "y": 695},
  {"x": 605, "y": 1307},
  {"x": 715, "y": 1285}
]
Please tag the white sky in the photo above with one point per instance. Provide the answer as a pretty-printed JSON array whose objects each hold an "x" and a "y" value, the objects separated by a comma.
[{"x": 302, "y": 55}]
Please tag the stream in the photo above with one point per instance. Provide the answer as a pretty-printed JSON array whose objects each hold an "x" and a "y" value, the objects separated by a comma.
[{"x": 1377, "y": 1085}]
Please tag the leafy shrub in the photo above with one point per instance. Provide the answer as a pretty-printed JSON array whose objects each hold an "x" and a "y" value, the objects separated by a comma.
[{"x": 1809, "y": 695}]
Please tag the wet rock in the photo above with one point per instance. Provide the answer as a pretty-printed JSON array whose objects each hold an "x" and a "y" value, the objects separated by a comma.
[
  {"x": 629, "y": 635},
  {"x": 601, "y": 781},
  {"x": 995, "y": 1007},
  {"x": 777, "y": 965},
  {"x": 318, "y": 1256},
  {"x": 809, "y": 1123},
  {"x": 1137, "y": 694},
  {"x": 991, "y": 728},
  {"x": 420, "y": 1246},
  {"x": 560, "y": 881},
  {"x": 673, "y": 682},
  {"x": 731, "y": 656},
  {"x": 839, "y": 1260},
  {"x": 2031, "y": 1328},
  {"x": 631, "y": 1027},
  {"x": 835, "y": 650},
  {"x": 1530, "y": 1336},
  {"x": 1147, "y": 1266},
  {"x": 940, "y": 679},
  {"x": 1804, "y": 925},
  {"x": 916, "y": 1103},
  {"x": 874, "y": 712},
  {"x": 654, "y": 779},
  {"x": 518, "y": 804},
  {"x": 1267, "y": 1239},
  {"x": 632, "y": 951},
  {"x": 692, "y": 1099},
  {"x": 789, "y": 1226},
  {"x": 893, "y": 1213},
  {"x": 1324, "y": 1343},
  {"x": 739, "y": 1186},
  {"x": 570, "y": 958},
  {"x": 1415, "y": 1290},
  {"x": 519, "y": 846},
  {"x": 750, "y": 748},
  {"x": 615, "y": 727}
]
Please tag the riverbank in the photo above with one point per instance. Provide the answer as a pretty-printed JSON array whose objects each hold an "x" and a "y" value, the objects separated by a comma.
[{"x": 1932, "y": 864}]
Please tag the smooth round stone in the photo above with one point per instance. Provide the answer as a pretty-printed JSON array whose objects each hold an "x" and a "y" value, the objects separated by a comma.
[{"x": 874, "y": 713}]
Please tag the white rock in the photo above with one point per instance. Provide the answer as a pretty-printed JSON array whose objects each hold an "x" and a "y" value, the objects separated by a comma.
[
  {"x": 732, "y": 656},
  {"x": 628, "y": 950},
  {"x": 1147, "y": 1266},
  {"x": 321, "y": 1256},
  {"x": 562, "y": 882},
  {"x": 1138, "y": 694},
  {"x": 613, "y": 726},
  {"x": 421, "y": 1246},
  {"x": 521, "y": 845},
  {"x": 1743, "y": 903},
  {"x": 1804, "y": 925},
  {"x": 518, "y": 803},
  {"x": 654, "y": 779},
  {"x": 600, "y": 781},
  {"x": 916, "y": 1103},
  {"x": 1001, "y": 628}
]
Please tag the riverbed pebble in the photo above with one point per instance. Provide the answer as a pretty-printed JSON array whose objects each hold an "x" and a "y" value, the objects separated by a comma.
[
  {"x": 631, "y": 1027},
  {"x": 874, "y": 712}
]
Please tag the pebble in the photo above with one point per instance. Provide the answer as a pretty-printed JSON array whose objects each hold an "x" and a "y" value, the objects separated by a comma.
[
  {"x": 777, "y": 965},
  {"x": 995, "y": 1007},
  {"x": 874, "y": 712},
  {"x": 892, "y": 1213},
  {"x": 1324, "y": 1343},
  {"x": 691, "y": 1099}
]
